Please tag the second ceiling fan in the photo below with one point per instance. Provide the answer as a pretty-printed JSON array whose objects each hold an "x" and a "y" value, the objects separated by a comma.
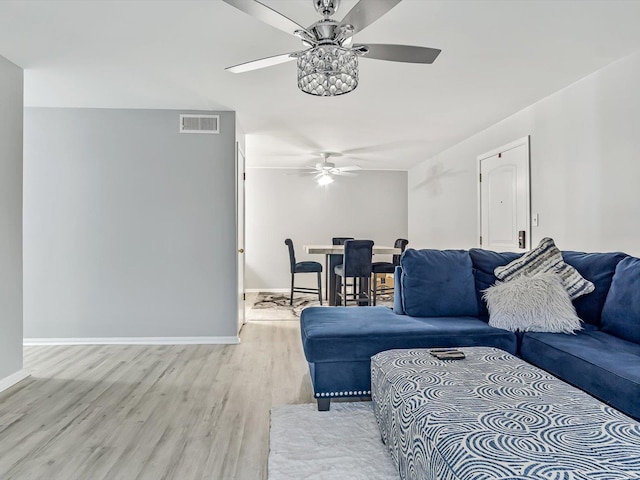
[
  {"x": 325, "y": 170},
  {"x": 328, "y": 66}
]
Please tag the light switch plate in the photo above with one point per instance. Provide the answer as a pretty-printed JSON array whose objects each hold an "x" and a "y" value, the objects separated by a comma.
[{"x": 534, "y": 220}]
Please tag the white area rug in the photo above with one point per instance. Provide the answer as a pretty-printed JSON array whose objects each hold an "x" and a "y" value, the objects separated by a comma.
[{"x": 343, "y": 443}]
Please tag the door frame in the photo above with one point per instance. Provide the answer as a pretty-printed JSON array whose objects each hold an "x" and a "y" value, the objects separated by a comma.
[
  {"x": 509, "y": 146},
  {"x": 240, "y": 176}
]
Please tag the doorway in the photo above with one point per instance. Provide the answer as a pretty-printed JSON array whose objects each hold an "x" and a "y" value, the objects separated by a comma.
[{"x": 504, "y": 198}]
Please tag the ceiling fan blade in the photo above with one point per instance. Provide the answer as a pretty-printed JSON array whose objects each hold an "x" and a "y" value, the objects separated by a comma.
[
  {"x": 349, "y": 168},
  {"x": 262, "y": 63},
  {"x": 402, "y": 53},
  {"x": 266, "y": 14},
  {"x": 301, "y": 173},
  {"x": 365, "y": 12},
  {"x": 344, "y": 174}
]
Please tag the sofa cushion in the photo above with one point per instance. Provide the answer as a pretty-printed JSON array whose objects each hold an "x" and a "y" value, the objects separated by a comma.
[
  {"x": 601, "y": 364},
  {"x": 546, "y": 258},
  {"x": 357, "y": 333},
  {"x": 438, "y": 283},
  {"x": 532, "y": 304},
  {"x": 484, "y": 263},
  {"x": 621, "y": 311},
  {"x": 598, "y": 268}
]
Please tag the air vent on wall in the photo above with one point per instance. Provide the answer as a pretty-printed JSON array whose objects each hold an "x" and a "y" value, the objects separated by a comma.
[{"x": 199, "y": 123}]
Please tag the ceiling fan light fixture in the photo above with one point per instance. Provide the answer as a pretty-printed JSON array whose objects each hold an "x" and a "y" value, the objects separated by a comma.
[
  {"x": 327, "y": 71},
  {"x": 325, "y": 179}
]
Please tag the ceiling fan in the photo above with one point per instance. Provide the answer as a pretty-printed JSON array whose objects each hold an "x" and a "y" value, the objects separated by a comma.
[
  {"x": 325, "y": 170},
  {"x": 329, "y": 64}
]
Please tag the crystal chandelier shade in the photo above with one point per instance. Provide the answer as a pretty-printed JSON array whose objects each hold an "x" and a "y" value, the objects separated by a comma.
[{"x": 327, "y": 70}]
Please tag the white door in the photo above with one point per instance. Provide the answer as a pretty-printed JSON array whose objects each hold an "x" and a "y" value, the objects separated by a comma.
[
  {"x": 504, "y": 198},
  {"x": 240, "y": 179}
]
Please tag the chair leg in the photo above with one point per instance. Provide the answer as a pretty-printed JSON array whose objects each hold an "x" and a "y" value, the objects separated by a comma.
[
  {"x": 345, "y": 296},
  {"x": 320, "y": 287},
  {"x": 326, "y": 275},
  {"x": 363, "y": 290},
  {"x": 375, "y": 289},
  {"x": 354, "y": 288},
  {"x": 291, "y": 299}
]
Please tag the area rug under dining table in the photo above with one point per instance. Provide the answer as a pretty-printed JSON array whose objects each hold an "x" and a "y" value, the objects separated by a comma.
[{"x": 275, "y": 305}]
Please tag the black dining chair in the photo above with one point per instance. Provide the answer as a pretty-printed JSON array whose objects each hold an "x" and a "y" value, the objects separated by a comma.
[
  {"x": 340, "y": 240},
  {"x": 357, "y": 266},
  {"x": 384, "y": 268},
  {"x": 334, "y": 241},
  {"x": 303, "y": 267}
]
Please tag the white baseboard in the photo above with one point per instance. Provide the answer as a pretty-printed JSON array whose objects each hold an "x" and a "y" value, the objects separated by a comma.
[
  {"x": 12, "y": 379},
  {"x": 231, "y": 340},
  {"x": 267, "y": 290}
]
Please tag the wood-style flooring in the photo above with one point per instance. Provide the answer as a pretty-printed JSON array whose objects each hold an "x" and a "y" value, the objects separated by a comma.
[{"x": 151, "y": 412}]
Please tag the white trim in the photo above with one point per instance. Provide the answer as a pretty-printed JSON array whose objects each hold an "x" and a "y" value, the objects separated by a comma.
[
  {"x": 231, "y": 340},
  {"x": 11, "y": 380},
  {"x": 505, "y": 148},
  {"x": 267, "y": 290},
  {"x": 240, "y": 239},
  {"x": 479, "y": 201}
]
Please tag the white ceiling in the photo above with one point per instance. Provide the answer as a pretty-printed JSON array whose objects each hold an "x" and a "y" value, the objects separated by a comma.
[{"x": 498, "y": 57}]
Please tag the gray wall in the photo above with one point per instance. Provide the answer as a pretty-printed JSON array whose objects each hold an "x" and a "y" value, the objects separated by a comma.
[
  {"x": 129, "y": 226},
  {"x": 585, "y": 169},
  {"x": 280, "y": 204},
  {"x": 11, "y": 101}
]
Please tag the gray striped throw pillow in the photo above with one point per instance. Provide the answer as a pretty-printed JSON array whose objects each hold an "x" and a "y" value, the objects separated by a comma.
[{"x": 546, "y": 257}]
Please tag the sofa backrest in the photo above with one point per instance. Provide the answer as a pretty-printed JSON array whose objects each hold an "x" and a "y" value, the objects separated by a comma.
[
  {"x": 484, "y": 263},
  {"x": 598, "y": 268},
  {"x": 621, "y": 311}
]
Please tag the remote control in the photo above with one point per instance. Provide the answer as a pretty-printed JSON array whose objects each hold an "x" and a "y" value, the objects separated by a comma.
[
  {"x": 458, "y": 355},
  {"x": 437, "y": 351}
]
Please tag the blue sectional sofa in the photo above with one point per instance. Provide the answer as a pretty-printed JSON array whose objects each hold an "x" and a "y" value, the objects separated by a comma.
[{"x": 603, "y": 359}]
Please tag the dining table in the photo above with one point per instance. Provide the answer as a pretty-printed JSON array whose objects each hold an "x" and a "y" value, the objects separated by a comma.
[{"x": 335, "y": 254}]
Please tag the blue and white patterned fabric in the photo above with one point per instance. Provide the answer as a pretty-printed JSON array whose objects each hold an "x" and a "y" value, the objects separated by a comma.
[{"x": 492, "y": 416}]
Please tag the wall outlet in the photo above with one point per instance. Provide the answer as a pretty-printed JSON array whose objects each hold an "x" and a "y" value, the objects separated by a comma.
[{"x": 535, "y": 220}]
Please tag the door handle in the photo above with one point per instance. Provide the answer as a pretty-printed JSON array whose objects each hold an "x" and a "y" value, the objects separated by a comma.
[
  {"x": 241, "y": 250},
  {"x": 522, "y": 239}
]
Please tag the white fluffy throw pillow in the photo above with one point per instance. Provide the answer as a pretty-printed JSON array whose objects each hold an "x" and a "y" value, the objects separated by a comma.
[{"x": 532, "y": 304}]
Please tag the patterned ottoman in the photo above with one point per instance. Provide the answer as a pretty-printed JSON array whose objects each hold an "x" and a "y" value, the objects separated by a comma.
[{"x": 492, "y": 416}]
